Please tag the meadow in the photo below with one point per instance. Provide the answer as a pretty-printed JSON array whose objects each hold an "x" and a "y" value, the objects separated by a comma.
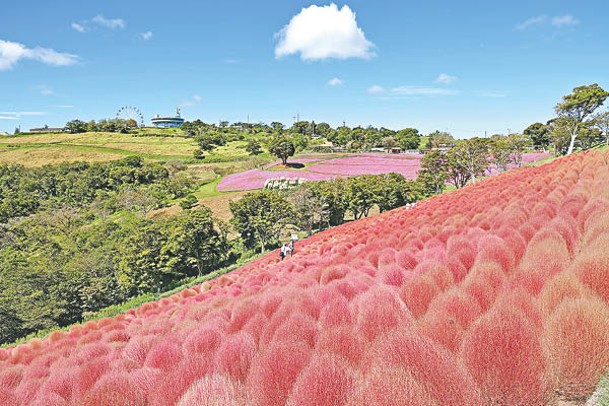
[
  {"x": 41, "y": 149},
  {"x": 461, "y": 300},
  {"x": 316, "y": 167}
]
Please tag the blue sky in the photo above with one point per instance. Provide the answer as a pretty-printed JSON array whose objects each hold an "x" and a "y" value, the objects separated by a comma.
[{"x": 464, "y": 67}]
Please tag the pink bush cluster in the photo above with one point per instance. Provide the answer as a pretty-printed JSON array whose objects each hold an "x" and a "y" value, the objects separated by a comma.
[
  {"x": 325, "y": 167},
  {"x": 493, "y": 294}
]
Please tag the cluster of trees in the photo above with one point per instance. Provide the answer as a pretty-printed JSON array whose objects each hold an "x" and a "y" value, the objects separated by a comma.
[
  {"x": 56, "y": 266},
  {"x": 110, "y": 125},
  {"x": 75, "y": 238},
  {"x": 578, "y": 123},
  {"x": 470, "y": 159},
  {"x": 261, "y": 216},
  {"x": 130, "y": 181}
]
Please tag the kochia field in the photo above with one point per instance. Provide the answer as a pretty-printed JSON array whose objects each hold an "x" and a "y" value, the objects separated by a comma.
[{"x": 493, "y": 294}]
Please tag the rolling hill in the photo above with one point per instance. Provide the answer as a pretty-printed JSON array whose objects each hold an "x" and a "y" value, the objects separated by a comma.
[{"x": 493, "y": 294}]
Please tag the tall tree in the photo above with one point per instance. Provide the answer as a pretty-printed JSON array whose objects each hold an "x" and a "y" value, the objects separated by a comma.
[
  {"x": 502, "y": 154},
  {"x": 601, "y": 121},
  {"x": 282, "y": 147},
  {"x": 539, "y": 134},
  {"x": 260, "y": 216},
  {"x": 197, "y": 242},
  {"x": 577, "y": 106},
  {"x": 440, "y": 139},
  {"x": 76, "y": 126},
  {"x": 408, "y": 138},
  {"x": 434, "y": 171},
  {"x": 469, "y": 156},
  {"x": 518, "y": 146}
]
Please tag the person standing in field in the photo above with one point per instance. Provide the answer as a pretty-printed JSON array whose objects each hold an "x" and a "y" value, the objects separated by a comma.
[
  {"x": 291, "y": 246},
  {"x": 283, "y": 251}
]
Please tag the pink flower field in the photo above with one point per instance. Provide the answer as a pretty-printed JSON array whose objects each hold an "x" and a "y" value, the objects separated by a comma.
[
  {"x": 325, "y": 167},
  {"x": 494, "y": 294}
]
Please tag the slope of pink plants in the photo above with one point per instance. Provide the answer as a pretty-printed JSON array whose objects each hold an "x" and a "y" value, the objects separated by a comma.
[
  {"x": 495, "y": 294},
  {"x": 325, "y": 167}
]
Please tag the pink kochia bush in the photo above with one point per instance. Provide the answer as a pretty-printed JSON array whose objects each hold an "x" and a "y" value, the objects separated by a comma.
[{"x": 495, "y": 294}]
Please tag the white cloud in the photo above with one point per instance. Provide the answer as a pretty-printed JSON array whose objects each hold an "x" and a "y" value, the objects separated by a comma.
[
  {"x": 17, "y": 115},
  {"x": 322, "y": 32},
  {"x": 146, "y": 36},
  {"x": 79, "y": 27},
  {"x": 111, "y": 23},
  {"x": 335, "y": 82},
  {"x": 101, "y": 21},
  {"x": 12, "y": 52},
  {"x": 564, "y": 21},
  {"x": 446, "y": 78},
  {"x": 376, "y": 89},
  {"x": 422, "y": 91},
  {"x": 531, "y": 22}
]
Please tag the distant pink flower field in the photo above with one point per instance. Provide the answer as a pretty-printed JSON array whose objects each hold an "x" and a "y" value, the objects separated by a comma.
[{"x": 325, "y": 167}]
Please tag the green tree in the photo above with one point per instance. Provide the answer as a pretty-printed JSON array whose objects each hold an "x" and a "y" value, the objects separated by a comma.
[
  {"x": 434, "y": 172},
  {"x": 576, "y": 107},
  {"x": 196, "y": 242},
  {"x": 518, "y": 146},
  {"x": 408, "y": 138},
  {"x": 438, "y": 139},
  {"x": 539, "y": 134},
  {"x": 260, "y": 216},
  {"x": 333, "y": 195},
  {"x": 309, "y": 208},
  {"x": 277, "y": 127},
  {"x": 502, "y": 154},
  {"x": 468, "y": 160},
  {"x": 253, "y": 147},
  {"x": 322, "y": 129},
  {"x": 282, "y": 147},
  {"x": 140, "y": 267},
  {"x": 601, "y": 121},
  {"x": 361, "y": 194},
  {"x": 76, "y": 126},
  {"x": 389, "y": 191}
]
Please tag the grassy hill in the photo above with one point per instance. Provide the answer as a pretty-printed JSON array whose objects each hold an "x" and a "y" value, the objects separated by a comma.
[
  {"x": 41, "y": 149},
  {"x": 464, "y": 299}
]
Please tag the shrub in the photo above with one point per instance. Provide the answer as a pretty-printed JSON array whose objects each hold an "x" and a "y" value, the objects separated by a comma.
[
  {"x": 389, "y": 386},
  {"x": 274, "y": 371},
  {"x": 418, "y": 292},
  {"x": 342, "y": 340},
  {"x": 576, "y": 340},
  {"x": 114, "y": 390},
  {"x": 503, "y": 353},
  {"x": 234, "y": 355},
  {"x": 592, "y": 269},
  {"x": 429, "y": 364},
  {"x": 214, "y": 390},
  {"x": 327, "y": 380},
  {"x": 379, "y": 310}
]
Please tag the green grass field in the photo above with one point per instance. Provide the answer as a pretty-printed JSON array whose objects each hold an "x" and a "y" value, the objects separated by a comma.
[{"x": 149, "y": 143}]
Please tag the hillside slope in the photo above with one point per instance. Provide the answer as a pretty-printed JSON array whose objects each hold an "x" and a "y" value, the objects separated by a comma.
[{"x": 494, "y": 294}]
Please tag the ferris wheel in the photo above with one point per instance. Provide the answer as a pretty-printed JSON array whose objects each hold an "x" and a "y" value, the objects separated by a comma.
[{"x": 131, "y": 113}]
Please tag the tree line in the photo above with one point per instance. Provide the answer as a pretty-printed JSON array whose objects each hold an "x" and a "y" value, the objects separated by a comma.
[{"x": 578, "y": 122}]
